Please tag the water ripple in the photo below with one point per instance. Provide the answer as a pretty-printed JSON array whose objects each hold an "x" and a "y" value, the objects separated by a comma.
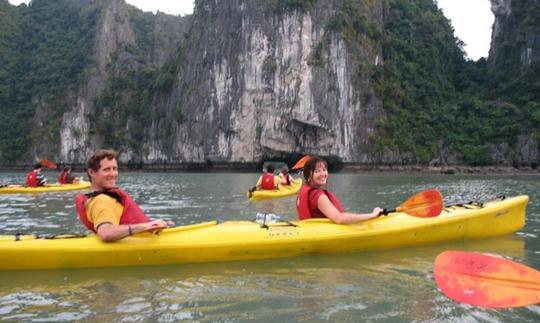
[{"x": 394, "y": 285}]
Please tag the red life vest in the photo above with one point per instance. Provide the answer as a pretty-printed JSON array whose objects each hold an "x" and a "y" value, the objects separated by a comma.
[
  {"x": 31, "y": 179},
  {"x": 132, "y": 213},
  {"x": 302, "y": 203},
  {"x": 63, "y": 178},
  {"x": 287, "y": 179},
  {"x": 267, "y": 182}
]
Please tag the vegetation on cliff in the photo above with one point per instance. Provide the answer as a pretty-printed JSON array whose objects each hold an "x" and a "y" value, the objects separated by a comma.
[
  {"x": 436, "y": 100},
  {"x": 45, "y": 49},
  {"x": 437, "y": 104}
]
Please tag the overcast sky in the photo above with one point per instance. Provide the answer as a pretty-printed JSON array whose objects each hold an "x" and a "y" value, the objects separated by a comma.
[{"x": 472, "y": 19}]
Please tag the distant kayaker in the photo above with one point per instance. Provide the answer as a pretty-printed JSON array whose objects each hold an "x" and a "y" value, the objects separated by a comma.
[
  {"x": 313, "y": 201},
  {"x": 66, "y": 177},
  {"x": 109, "y": 211},
  {"x": 35, "y": 178},
  {"x": 268, "y": 181},
  {"x": 285, "y": 177}
]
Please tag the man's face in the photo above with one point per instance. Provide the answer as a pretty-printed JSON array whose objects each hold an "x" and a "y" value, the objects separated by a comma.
[{"x": 105, "y": 177}]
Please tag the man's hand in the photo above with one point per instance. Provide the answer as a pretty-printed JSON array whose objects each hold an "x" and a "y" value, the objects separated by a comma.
[
  {"x": 109, "y": 232},
  {"x": 155, "y": 226}
]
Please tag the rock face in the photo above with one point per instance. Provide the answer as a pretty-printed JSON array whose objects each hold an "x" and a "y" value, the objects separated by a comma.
[
  {"x": 265, "y": 83},
  {"x": 249, "y": 80},
  {"x": 515, "y": 45},
  {"x": 78, "y": 136},
  {"x": 115, "y": 31},
  {"x": 514, "y": 39}
]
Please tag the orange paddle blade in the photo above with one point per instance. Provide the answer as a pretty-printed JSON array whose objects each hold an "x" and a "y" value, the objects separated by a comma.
[
  {"x": 47, "y": 163},
  {"x": 484, "y": 280},
  {"x": 426, "y": 204},
  {"x": 301, "y": 162}
]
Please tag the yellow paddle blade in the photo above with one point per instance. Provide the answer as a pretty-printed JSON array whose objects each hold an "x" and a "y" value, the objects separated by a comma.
[
  {"x": 426, "y": 204},
  {"x": 485, "y": 280}
]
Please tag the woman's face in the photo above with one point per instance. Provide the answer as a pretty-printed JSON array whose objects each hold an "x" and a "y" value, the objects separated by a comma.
[{"x": 319, "y": 176}]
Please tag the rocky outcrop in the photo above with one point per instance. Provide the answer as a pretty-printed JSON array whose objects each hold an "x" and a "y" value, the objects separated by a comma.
[
  {"x": 515, "y": 37},
  {"x": 515, "y": 46},
  {"x": 115, "y": 34},
  {"x": 243, "y": 81},
  {"x": 75, "y": 137},
  {"x": 264, "y": 83}
]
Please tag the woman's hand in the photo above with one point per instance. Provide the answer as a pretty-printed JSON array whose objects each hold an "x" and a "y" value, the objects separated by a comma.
[{"x": 377, "y": 211}]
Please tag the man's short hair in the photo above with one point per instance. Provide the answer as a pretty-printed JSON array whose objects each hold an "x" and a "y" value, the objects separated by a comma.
[{"x": 94, "y": 161}]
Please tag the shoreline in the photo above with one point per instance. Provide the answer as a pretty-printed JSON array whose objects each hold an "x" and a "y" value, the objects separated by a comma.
[
  {"x": 341, "y": 168},
  {"x": 445, "y": 170}
]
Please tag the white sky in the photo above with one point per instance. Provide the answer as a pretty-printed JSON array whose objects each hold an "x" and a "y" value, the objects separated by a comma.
[
  {"x": 172, "y": 7},
  {"x": 472, "y": 19}
]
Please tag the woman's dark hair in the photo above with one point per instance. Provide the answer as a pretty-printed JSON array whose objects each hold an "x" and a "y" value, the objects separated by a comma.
[
  {"x": 310, "y": 165},
  {"x": 270, "y": 168}
]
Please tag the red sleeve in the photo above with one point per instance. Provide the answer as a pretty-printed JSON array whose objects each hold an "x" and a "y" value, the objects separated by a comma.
[
  {"x": 313, "y": 199},
  {"x": 314, "y": 196}
]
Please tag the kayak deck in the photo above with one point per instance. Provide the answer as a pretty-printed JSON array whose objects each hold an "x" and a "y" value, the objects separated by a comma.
[
  {"x": 282, "y": 191},
  {"x": 246, "y": 240},
  {"x": 45, "y": 189}
]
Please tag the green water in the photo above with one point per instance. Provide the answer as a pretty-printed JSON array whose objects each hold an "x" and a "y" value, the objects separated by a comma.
[{"x": 389, "y": 286}]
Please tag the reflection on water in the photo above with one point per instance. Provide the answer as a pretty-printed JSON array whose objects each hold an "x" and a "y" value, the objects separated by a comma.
[
  {"x": 393, "y": 285},
  {"x": 382, "y": 285}
]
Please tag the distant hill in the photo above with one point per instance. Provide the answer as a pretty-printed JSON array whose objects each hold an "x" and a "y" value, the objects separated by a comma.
[{"x": 239, "y": 82}]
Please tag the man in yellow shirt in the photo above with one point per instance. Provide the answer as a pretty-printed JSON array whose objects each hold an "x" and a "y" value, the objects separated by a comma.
[{"x": 108, "y": 211}]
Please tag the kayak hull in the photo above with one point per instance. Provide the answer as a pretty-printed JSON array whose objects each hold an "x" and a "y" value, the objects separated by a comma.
[
  {"x": 45, "y": 189},
  {"x": 245, "y": 240},
  {"x": 283, "y": 191}
]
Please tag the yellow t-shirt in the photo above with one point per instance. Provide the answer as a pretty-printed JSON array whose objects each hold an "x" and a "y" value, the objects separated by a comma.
[{"x": 103, "y": 208}]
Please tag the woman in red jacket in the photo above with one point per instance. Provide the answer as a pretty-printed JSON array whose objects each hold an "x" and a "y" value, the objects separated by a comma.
[
  {"x": 313, "y": 201},
  {"x": 66, "y": 177}
]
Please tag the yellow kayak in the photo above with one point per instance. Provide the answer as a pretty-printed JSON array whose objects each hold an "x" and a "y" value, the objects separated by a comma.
[
  {"x": 282, "y": 191},
  {"x": 16, "y": 189},
  {"x": 246, "y": 240}
]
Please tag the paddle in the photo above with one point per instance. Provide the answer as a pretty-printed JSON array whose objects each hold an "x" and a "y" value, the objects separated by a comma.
[
  {"x": 485, "y": 280},
  {"x": 47, "y": 163},
  {"x": 425, "y": 204},
  {"x": 300, "y": 164}
]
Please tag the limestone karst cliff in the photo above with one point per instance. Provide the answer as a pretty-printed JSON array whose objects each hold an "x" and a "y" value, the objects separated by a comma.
[
  {"x": 369, "y": 82},
  {"x": 264, "y": 82}
]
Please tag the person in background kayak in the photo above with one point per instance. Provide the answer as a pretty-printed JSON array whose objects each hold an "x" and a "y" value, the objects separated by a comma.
[
  {"x": 66, "y": 177},
  {"x": 35, "y": 178},
  {"x": 268, "y": 181},
  {"x": 285, "y": 177},
  {"x": 313, "y": 201},
  {"x": 109, "y": 211}
]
